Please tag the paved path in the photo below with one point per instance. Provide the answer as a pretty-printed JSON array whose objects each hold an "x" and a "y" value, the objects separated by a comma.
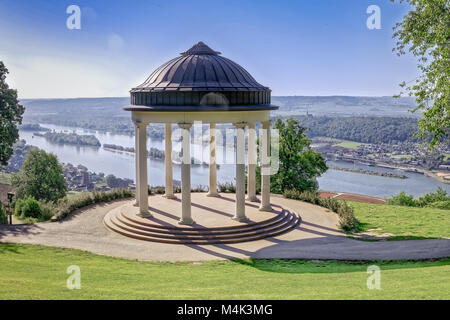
[{"x": 317, "y": 237}]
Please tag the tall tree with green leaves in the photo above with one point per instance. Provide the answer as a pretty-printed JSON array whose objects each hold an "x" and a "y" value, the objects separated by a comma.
[
  {"x": 40, "y": 177},
  {"x": 299, "y": 165},
  {"x": 10, "y": 117},
  {"x": 425, "y": 32}
]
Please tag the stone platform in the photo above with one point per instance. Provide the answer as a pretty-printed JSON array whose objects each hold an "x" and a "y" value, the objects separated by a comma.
[{"x": 213, "y": 221}]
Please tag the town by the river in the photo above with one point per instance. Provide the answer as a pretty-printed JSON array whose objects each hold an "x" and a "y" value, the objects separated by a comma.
[{"x": 121, "y": 164}]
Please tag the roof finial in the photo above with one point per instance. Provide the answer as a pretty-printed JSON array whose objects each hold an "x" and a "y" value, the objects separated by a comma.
[{"x": 200, "y": 48}]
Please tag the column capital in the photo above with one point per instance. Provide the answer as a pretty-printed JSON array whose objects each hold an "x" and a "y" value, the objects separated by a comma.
[
  {"x": 185, "y": 125},
  {"x": 240, "y": 125},
  {"x": 267, "y": 123},
  {"x": 140, "y": 124}
]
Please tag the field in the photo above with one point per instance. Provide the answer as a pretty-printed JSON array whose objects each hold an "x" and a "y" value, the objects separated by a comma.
[
  {"x": 349, "y": 145},
  {"x": 35, "y": 272},
  {"x": 403, "y": 222}
]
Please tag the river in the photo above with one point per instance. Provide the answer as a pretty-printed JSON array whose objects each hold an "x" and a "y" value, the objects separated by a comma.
[{"x": 122, "y": 165}]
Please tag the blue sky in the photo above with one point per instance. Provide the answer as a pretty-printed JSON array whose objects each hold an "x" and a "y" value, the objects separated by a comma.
[{"x": 297, "y": 47}]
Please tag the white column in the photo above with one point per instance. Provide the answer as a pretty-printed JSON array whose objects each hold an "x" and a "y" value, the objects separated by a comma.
[
  {"x": 240, "y": 172},
  {"x": 142, "y": 167},
  {"x": 212, "y": 162},
  {"x": 136, "y": 157},
  {"x": 186, "y": 217},
  {"x": 252, "y": 159},
  {"x": 265, "y": 167},
  {"x": 168, "y": 161}
]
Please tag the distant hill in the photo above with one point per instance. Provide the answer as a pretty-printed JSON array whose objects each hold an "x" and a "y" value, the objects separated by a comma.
[
  {"x": 346, "y": 106},
  {"x": 81, "y": 107},
  {"x": 362, "y": 129},
  {"x": 107, "y": 114},
  {"x": 291, "y": 105}
]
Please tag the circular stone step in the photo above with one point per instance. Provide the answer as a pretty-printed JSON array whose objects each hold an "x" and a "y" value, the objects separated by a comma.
[{"x": 217, "y": 225}]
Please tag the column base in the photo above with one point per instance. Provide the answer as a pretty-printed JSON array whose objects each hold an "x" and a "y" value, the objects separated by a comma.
[
  {"x": 252, "y": 199},
  {"x": 267, "y": 208},
  {"x": 240, "y": 219},
  {"x": 186, "y": 222},
  {"x": 212, "y": 194},
  {"x": 145, "y": 215},
  {"x": 170, "y": 196}
]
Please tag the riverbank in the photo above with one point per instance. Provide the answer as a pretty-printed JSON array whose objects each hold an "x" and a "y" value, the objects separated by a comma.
[
  {"x": 436, "y": 175},
  {"x": 369, "y": 172},
  {"x": 428, "y": 173}
]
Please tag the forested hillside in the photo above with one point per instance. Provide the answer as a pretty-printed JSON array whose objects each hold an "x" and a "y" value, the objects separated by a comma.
[{"x": 361, "y": 129}]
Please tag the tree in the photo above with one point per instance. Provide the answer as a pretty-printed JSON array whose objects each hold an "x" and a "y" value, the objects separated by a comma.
[
  {"x": 10, "y": 117},
  {"x": 425, "y": 31},
  {"x": 40, "y": 177},
  {"x": 299, "y": 165}
]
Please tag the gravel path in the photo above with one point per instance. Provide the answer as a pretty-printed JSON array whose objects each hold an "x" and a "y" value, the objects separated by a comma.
[{"x": 317, "y": 237}]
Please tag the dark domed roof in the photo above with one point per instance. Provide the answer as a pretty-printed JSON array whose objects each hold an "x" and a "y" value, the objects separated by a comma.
[
  {"x": 201, "y": 77},
  {"x": 199, "y": 69}
]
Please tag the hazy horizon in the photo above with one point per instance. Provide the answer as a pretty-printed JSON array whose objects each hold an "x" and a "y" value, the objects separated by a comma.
[{"x": 273, "y": 96}]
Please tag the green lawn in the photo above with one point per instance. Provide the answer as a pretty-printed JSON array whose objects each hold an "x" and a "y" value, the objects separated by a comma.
[
  {"x": 403, "y": 222},
  {"x": 35, "y": 272},
  {"x": 349, "y": 144}
]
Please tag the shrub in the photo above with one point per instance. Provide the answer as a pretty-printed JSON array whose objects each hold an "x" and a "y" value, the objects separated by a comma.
[
  {"x": 402, "y": 199},
  {"x": 156, "y": 190},
  {"x": 347, "y": 219},
  {"x": 66, "y": 206},
  {"x": 227, "y": 187},
  {"x": 427, "y": 200},
  {"x": 3, "y": 216},
  {"x": 199, "y": 189},
  {"x": 177, "y": 189},
  {"x": 48, "y": 210},
  {"x": 330, "y": 203},
  {"x": 307, "y": 196},
  {"x": 445, "y": 205},
  {"x": 222, "y": 187},
  {"x": 28, "y": 208},
  {"x": 18, "y": 205}
]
